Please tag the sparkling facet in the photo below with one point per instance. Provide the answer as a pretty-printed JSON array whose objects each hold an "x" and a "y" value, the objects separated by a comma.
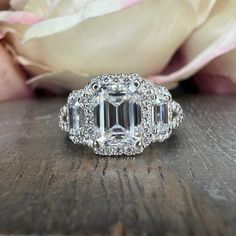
[
  {"x": 76, "y": 117},
  {"x": 160, "y": 113},
  {"x": 117, "y": 116}
]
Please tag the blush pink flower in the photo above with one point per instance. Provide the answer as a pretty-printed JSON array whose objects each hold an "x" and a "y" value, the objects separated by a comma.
[
  {"x": 12, "y": 80},
  {"x": 63, "y": 44}
]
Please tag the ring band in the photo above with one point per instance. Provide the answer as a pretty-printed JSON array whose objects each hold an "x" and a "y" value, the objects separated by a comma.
[{"x": 120, "y": 114}]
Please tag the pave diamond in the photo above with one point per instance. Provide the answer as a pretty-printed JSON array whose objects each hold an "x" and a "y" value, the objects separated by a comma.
[{"x": 120, "y": 114}]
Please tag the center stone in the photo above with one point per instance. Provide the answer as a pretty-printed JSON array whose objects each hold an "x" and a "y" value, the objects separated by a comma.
[{"x": 117, "y": 116}]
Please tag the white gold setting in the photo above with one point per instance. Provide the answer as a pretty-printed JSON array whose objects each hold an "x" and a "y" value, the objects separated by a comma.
[{"x": 120, "y": 114}]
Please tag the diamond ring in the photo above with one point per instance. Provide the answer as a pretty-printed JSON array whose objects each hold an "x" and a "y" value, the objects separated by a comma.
[{"x": 120, "y": 114}]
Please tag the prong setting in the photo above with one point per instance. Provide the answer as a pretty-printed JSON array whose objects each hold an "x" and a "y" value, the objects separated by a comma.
[{"x": 119, "y": 114}]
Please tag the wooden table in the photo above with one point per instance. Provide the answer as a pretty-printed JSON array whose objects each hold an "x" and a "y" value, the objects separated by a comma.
[{"x": 184, "y": 186}]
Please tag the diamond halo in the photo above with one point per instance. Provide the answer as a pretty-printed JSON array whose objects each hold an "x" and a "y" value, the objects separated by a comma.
[{"x": 120, "y": 114}]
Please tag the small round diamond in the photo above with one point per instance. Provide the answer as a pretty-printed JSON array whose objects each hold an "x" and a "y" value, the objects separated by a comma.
[{"x": 119, "y": 114}]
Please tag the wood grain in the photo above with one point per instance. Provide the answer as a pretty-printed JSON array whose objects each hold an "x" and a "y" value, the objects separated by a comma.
[{"x": 184, "y": 186}]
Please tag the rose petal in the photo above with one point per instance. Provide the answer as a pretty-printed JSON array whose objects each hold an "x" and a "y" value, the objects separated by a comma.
[
  {"x": 87, "y": 9},
  {"x": 64, "y": 81},
  {"x": 215, "y": 38},
  {"x": 18, "y": 4},
  {"x": 203, "y": 9},
  {"x": 130, "y": 41},
  {"x": 12, "y": 83},
  {"x": 223, "y": 66},
  {"x": 215, "y": 77},
  {"x": 56, "y": 8},
  {"x": 123, "y": 41},
  {"x": 224, "y": 44},
  {"x": 208, "y": 83},
  {"x": 39, "y": 7},
  {"x": 59, "y": 82},
  {"x": 20, "y": 17}
]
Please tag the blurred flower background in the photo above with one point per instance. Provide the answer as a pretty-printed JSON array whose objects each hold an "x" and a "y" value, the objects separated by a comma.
[{"x": 60, "y": 45}]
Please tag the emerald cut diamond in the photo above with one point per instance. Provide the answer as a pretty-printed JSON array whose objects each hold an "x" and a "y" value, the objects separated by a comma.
[
  {"x": 75, "y": 117},
  {"x": 161, "y": 114},
  {"x": 117, "y": 116}
]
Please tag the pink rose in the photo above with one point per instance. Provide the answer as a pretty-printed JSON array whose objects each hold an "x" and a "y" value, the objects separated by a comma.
[
  {"x": 12, "y": 79},
  {"x": 63, "y": 44}
]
